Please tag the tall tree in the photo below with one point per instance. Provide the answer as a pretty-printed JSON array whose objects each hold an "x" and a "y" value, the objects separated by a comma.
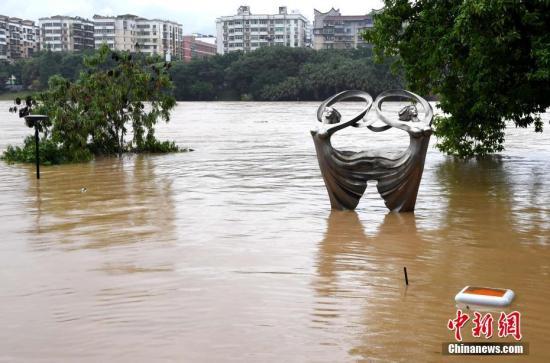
[
  {"x": 114, "y": 93},
  {"x": 488, "y": 60}
]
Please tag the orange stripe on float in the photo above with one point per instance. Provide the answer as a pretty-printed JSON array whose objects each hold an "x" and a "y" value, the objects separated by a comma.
[{"x": 485, "y": 291}]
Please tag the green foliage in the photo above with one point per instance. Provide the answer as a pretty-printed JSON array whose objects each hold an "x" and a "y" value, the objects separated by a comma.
[
  {"x": 51, "y": 153},
  {"x": 331, "y": 71},
  {"x": 270, "y": 73},
  {"x": 489, "y": 61},
  {"x": 270, "y": 65},
  {"x": 114, "y": 93},
  {"x": 34, "y": 73},
  {"x": 3, "y": 78},
  {"x": 152, "y": 145},
  {"x": 281, "y": 73},
  {"x": 203, "y": 79}
]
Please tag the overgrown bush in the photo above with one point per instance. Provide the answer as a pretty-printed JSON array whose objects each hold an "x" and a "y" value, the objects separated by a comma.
[
  {"x": 50, "y": 152},
  {"x": 115, "y": 92},
  {"x": 152, "y": 145}
]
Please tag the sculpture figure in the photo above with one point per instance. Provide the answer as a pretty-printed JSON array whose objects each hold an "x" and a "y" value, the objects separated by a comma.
[{"x": 346, "y": 173}]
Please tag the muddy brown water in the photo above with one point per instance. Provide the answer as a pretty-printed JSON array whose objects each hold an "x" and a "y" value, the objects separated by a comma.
[{"x": 231, "y": 252}]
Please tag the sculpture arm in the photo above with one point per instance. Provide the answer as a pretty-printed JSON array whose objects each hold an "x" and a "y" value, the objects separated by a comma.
[
  {"x": 415, "y": 129},
  {"x": 412, "y": 129},
  {"x": 340, "y": 97},
  {"x": 339, "y": 126}
]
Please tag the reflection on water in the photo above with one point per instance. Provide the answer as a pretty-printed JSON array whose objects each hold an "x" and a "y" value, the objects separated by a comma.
[
  {"x": 492, "y": 193},
  {"x": 105, "y": 203},
  {"x": 231, "y": 253},
  {"x": 360, "y": 283}
]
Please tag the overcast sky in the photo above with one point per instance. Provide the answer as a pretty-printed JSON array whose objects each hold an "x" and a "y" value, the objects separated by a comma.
[{"x": 195, "y": 15}]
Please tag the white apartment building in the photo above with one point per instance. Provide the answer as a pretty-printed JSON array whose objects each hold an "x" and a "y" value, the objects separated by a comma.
[
  {"x": 152, "y": 36},
  {"x": 3, "y": 42},
  {"x": 66, "y": 33},
  {"x": 247, "y": 32},
  {"x": 157, "y": 36},
  {"x": 118, "y": 32},
  {"x": 18, "y": 38}
]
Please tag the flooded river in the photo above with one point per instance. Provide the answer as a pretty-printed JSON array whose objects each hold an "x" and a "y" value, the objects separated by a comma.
[{"x": 231, "y": 252}]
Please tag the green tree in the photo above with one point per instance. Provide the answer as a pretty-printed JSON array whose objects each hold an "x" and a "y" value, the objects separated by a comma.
[
  {"x": 270, "y": 65},
  {"x": 30, "y": 73},
  {"x": 3, "y": 79},
  {"x": 487, "y": 60},
  {"x": 34, "y": 73},
  {"x": 270, "y": 73},
  {"x": 49, "y": 65},
  {"x": 330, "y": 71},
  {"x": 116, "y": 92}
]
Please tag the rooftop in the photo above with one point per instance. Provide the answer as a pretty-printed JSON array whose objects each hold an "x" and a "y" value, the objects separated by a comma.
[{"x": 348, "y": 17}]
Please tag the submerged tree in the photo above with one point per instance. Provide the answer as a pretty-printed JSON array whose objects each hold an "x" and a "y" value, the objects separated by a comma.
[
  {"x": 116, "y": 92},
  {"x": 489, "y": 61}
]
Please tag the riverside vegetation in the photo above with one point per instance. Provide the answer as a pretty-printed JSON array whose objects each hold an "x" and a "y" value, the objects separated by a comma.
[
  {"x": 93, "y": 97},
  {"x": 487, "y": 60},
  {"x": 267, "y": 74},
  {"x": 92, "y": 114}
]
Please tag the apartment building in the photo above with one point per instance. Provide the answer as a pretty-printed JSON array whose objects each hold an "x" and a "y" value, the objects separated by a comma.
[
  {"x": 130, "y": 32},
  {"x": 118, "y": 32},
  {"x": 247, "y": 32},
  {"x": 198, "y": 47},
  {"x": 3, "y": 42},
  {"x": 334, "y": 30},
  {"x": 18, "y": 38},
  {"x": 66, "y": 33},
  {"x": 157, "y": 36}
]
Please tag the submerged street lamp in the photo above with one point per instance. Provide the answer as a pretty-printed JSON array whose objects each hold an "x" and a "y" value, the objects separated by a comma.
[
  {"x": 35, "y": 121},
  {"x": 39, "y": 122}
]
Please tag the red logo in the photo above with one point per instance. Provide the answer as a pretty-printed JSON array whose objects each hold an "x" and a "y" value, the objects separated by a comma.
[
  {"x": 482, "y": 325},
  {"x": 458, "y": 323},
  {"x": 508, "y": 325}
]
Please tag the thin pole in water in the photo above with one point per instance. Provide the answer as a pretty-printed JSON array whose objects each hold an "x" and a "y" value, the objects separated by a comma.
[
  {"x": 406, "y": 277},
  {"x": 37, "y": 150}
]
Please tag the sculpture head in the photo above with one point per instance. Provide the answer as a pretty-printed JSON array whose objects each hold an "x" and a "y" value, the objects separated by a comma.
[
  {"x": 408, "y": 113},
  {"x": 331, "y": 116}
]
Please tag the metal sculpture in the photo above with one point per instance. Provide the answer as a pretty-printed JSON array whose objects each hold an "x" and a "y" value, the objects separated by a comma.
[{"x": 346, "y": 173}]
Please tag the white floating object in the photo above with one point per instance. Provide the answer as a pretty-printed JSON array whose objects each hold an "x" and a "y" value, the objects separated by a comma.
[{"x": 472, "y": 296}]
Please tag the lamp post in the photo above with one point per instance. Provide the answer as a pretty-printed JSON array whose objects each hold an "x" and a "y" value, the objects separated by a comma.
[{"x": 34, "y": 121}]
